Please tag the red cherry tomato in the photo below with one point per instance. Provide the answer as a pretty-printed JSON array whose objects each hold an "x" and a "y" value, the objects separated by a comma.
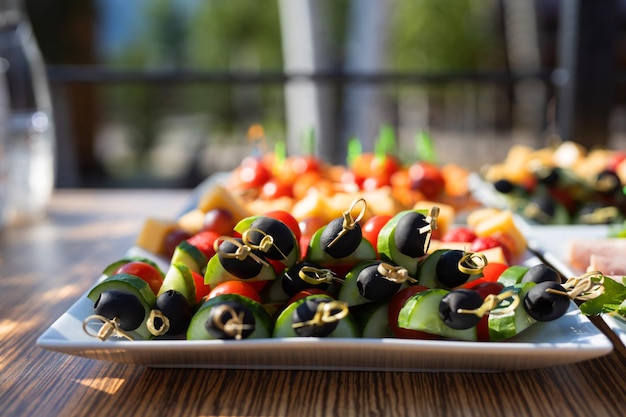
[
  {"x": 235, "y": 287},
  {"x": 274, "y": 189},
  {"x": 253, "y": 173},
  {"x": 427, "y": 178},
  {"x": 204, "y": 241},
  {"x": 145, "y": 271},
  {"x": 288, "y": 219},
  {"x": 398, "y": 300},
  {"x": 371, "y": 228},
  {"x": 491, "y": 273},
  {"x": 459, "y": 234},
  {"x": 202, "y": 289},
  {"x": 303, "y": 164},
  {"x": 485, "y": 289}
]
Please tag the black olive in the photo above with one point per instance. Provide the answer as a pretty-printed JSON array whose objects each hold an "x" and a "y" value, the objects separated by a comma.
[
  {"x": 374, "y": 286},
  {"x": 546, "y": 306},
  {"x": 504, "y": 186},
  {"x": 412, "y": 234},
  {"x": 339, "y": 242},
  {"x": 608, "y": 182},
  {"x": 447, "y": 269},
  {"x": 460, "y": 299},
  {"x": 230, "y": 320},
  {"x": 284, "y": 240},
  {"x": 123, "y": 305},
  {"x": 241, "y": 268},
  {"x": 548, "y": 176},
  {"x": 541, "y": 209},
  {"x": 292, "y": 283},
  {"x": 176, "y": 308},
  {"x": 305, "y": 313},
  {"x": 541, "y": 272}
]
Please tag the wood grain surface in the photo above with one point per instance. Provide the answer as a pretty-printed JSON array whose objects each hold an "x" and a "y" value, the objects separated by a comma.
[{"x": 45, "y": 267}]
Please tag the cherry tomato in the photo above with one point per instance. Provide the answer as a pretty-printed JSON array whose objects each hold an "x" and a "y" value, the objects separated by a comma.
[
  {"x": 398, "y": 300},
  {"x": 274, "y": 189},
  {"x": 459, "y": 234},
  {"x": 253, "y": 173},
  {"x": 371, "y": 228},
  {"x": 304, "y": 164},
  {"x": 145, "y": 271},
  {"x": 306, "y": 293},
  {"x": 427, "y": 178},
  {"x": 220, "y": 221},
  {"x": 288, "y": 219},
  {"x": 204, "y": 241},
  {"x": 485, "y": 289},
  {"x": 491, "y": 273},
  {"x": 383, "y": 167},
  {"x": 202, "y": 289},
  {"x": 235, "y": 287}
]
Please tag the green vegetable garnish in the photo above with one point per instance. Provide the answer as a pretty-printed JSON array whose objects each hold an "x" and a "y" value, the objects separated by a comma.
[{"x": 611, "y": 301}]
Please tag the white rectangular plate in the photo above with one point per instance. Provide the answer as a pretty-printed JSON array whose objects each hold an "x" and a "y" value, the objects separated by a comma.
[
  {"x": 552, "y": 243},
  {"x": 572, "y": 338}
]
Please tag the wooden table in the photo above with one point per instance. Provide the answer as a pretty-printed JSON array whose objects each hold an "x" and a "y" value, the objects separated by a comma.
[{"x": 45, "y": 267}]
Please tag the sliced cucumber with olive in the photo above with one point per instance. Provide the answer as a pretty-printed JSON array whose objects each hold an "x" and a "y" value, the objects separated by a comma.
[
  {"x": 216, "y": 273},
  {"x": 187, "y": 254},
  {"x": 421, "y": 312},
  {"x": 440, "y": 270},
  {"x": 364, "y": 251},
  {"x": 134, "y": 286},
  {"x": 230, "y": 317},
  {"x": 283, "y": 246},
  {"x": 179, "y": 278},
  {"x": 365, "y": 284},
  {"x": 296, "y": 320},
  {"x": 400, "y": 242}
]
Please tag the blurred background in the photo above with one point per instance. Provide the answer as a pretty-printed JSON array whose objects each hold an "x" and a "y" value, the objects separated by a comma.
[{"x": 161, "y": 93}]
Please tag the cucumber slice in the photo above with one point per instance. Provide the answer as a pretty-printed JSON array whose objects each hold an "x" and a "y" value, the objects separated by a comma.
[
  {"x": 505, "y": 326},
  {"x": 262, "y": 325},
  {"x": 421, "y": 312},
  {"x": 132, "y": 284},
  {"x": 364, "y": 252},
  {"x": 427, "y": 269},
  {"x": 387, "y": 248},
  {"x": 346, "y": 327},
  {"x": 114, "y": 266},
  {"x": 349, "y": 292},
  {"x": 512, "y": 275},
  {"x": 187, "y": 254},
  {"x": 216, "y": 274},
  {"x": 291, "y": 258},
  {"x": 179, "y": 278},
  {"x": 244, "y": 224},
  {"x": 372, "y": 319}
]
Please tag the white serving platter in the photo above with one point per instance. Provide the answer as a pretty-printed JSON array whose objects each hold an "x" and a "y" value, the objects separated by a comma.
[
  {"x": 552, "y": 243},
  {"x": 572, "y": 338}
]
